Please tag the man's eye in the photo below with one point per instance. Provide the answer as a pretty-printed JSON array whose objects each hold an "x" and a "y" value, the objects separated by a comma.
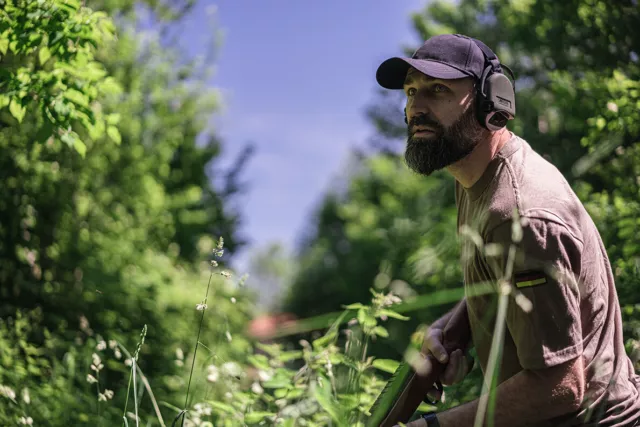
[
  {"x": 439, "y": 88},
  {"x": 411, "y": 91}
]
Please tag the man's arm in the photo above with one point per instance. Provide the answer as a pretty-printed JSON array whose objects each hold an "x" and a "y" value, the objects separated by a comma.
[{"x": 527, "y": 398}]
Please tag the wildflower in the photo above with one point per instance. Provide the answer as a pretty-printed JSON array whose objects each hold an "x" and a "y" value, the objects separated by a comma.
[
  {"x": 233, "y": 300},
  {"x": 264, "y": 375},
  {"x": 128, "y": 362},
  {"x": 25, "y": 396},
  {"x": 117, "y": 353},
  {"x": 108, "y": 393},
  {"x": 113, "y": 344},
  {"x": 6, "y": 391},
  {"x": 101, "y": 345},
  {"x": 202, "y": 409},
  {"x": 214, "y": 263},
  {"x": 228, "y": 334},
  {"x": 255, "y": 387},
  {"x": 225, "y": 274},
  {"x": 232, "y": 369},
  {"x": 214, "y": 374},
  {"x": 102, "y": 397},
  {"x": 201, "y": 307},
  {"x": 91, "y": 379},
  {"x": 27, "y": 421}
]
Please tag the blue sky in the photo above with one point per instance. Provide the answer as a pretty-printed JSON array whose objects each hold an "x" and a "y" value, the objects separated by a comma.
[{"x": 295, "y": 76}]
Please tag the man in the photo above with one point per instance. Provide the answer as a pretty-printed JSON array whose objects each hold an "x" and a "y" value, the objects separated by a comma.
[{"x": 563, "y": 361}]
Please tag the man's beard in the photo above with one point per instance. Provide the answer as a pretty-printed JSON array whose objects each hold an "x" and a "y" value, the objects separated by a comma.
[{"x": 449, "y": 145}]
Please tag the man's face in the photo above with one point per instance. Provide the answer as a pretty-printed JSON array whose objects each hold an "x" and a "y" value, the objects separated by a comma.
[{"x": 442, "y": 126}]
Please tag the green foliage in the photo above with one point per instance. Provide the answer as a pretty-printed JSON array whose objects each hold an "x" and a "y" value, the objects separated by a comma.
[
  {"x": 47, "y": 53},
  {"x": 102, "y": 245},
  {"x": 329, "y": 381}
]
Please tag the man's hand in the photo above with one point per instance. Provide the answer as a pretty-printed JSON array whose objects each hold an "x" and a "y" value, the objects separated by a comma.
[{"x": 458, "y": 364}]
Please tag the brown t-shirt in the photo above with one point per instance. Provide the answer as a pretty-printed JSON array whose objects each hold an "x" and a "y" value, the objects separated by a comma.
[{"x": 560, "y": 266}]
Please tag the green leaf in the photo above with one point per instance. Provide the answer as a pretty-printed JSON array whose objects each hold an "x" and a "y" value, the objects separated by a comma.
[
  {"x": 114, "y": 134},
  {"x": 44, "y": 54},
  {"x": 354, "y": 306},
  {"x": 223, "y": 407},
  {"x": 392, "y": 314},
  {"x": 77, "y": 97},
  {"x": 256, "y": 417},
  {"x": 386, "y": 365},
  {"x": 290, "y": 355},
  {"x": 4, "y": 44},
  {"x": 4, "y": 101},
  {"x": 326, "y": 339},
  {"x": 72, "y": 140},
  {"x": 17, "y": 110},
  {"x": 380, "y": 331},
  {"x": 329, "y": 404},
  {"x": 259, "y": 361}
]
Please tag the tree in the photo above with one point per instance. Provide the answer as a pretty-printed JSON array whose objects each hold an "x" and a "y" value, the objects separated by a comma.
[{"x": 118, "y": 234}]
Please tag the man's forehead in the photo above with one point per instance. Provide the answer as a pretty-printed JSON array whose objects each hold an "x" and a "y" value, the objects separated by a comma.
[{"x": 415, "y": 75}]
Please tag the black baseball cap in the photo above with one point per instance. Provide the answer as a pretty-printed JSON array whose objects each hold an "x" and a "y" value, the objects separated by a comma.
[{"x": 447, "y": 56}]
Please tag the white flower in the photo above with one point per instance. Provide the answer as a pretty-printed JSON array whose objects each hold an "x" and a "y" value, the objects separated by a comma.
[
  {"x": 228, "y": 335},
  {"x": 128, "y": 362},
  {"x": 179, "y": 353},
  {"x": 91, "y": 379},
  {"x": 117, "y": 353},
  {"x": 202, "y": 409},
  {"x": 214, "y": 374},
  {"x": 108, "y": 393},
  {"x": 25, "y": 396},
  {"x": 101, "y": 345},
  {"x": 201, "y": 307},
  {"x": 225, "y": 274},
  {"x": 255, "y": 387},
  {"x": 102, "y": 397},
  {"x": 7, "y": 392},
  {"x": 96, "y": 359},
  {"x": 113, "y": 344},
  {"x": 28, "y": 421},
  {"x": 231, "y": 369},
  {"x": 264, "y": 375},
  {"x": 233, "y": 300}
]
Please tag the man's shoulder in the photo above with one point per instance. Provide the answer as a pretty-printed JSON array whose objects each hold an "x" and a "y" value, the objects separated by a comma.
[{"x": 531, "y": 186}]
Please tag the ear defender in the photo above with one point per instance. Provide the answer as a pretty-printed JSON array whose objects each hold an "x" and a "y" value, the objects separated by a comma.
[{"x": 495, "y": 96}]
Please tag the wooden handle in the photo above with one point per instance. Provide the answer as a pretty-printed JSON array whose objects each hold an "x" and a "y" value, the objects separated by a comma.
[{"x": 456, "y": 331}]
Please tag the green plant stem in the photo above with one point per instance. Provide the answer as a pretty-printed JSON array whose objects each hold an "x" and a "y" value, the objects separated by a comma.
[
  {"x": 496, "y": 345},
  {"x": 195, "y": 352}
]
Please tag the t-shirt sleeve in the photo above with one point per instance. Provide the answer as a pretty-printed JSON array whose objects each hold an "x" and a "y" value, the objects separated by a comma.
[{"x": 546, "y": 269}]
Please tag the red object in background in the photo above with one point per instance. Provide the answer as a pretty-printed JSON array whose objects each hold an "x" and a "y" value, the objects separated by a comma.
[{"x": 266, "y": 326}]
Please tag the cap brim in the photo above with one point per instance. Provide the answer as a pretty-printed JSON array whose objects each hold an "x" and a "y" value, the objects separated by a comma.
[{"x": 392, "y": 72}]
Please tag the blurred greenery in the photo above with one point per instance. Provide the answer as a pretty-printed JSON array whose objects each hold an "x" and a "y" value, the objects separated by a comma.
[{"x": 109, "y": 219}]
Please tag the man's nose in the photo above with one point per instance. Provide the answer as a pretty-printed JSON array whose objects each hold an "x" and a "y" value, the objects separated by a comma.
[{"x": 419, "y": 107}]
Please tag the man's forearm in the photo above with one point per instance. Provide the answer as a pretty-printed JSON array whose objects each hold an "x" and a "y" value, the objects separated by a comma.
[{"x": 522, "y": 400}]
